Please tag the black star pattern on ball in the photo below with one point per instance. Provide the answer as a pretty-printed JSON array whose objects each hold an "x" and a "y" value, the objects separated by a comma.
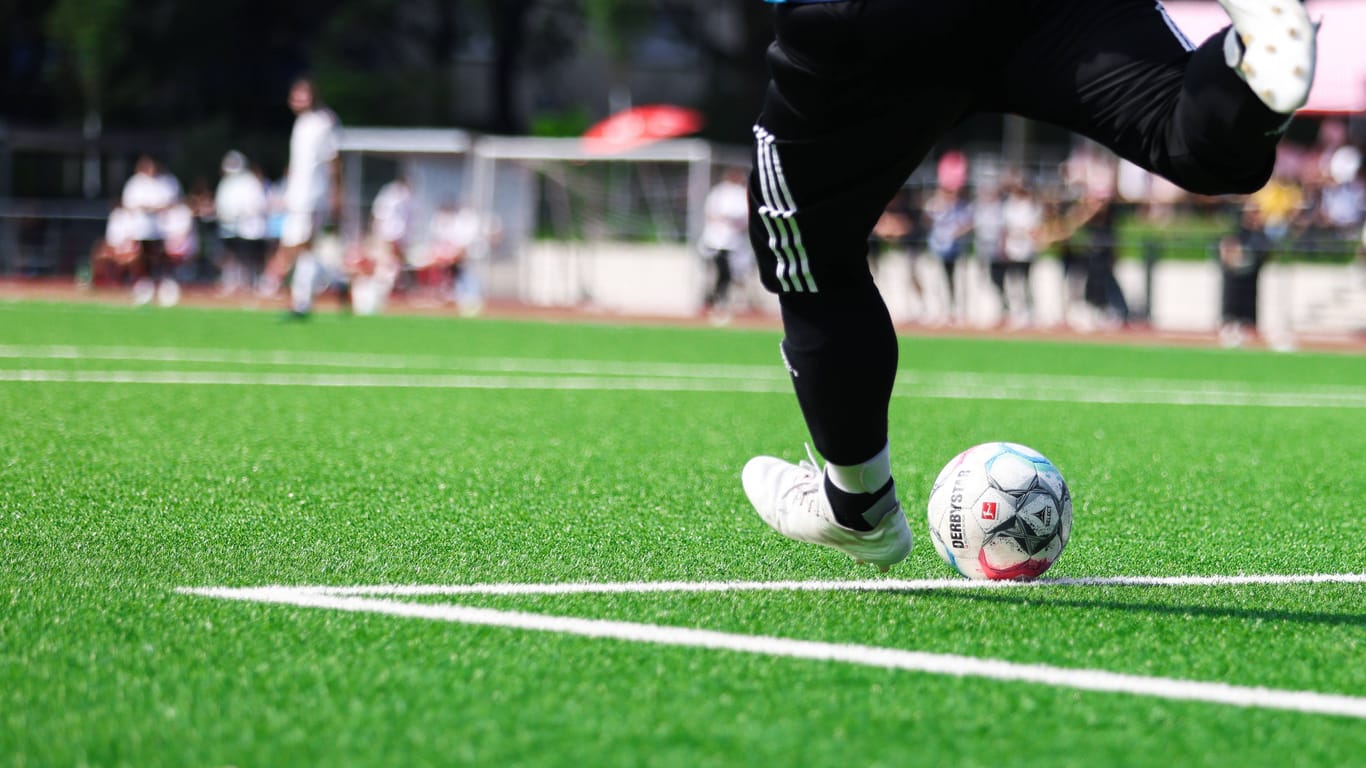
[{"x": 1016, "y": 528}]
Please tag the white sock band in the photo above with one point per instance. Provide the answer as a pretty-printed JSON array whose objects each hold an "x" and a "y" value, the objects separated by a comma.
[
  {"x": 863, "y": 478},
  {"x": 1233, "y": 51},
  {"x": 304, "y": 282}
]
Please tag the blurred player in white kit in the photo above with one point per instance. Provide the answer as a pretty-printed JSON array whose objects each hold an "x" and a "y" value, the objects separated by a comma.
[{"x": 312, "y": 186}]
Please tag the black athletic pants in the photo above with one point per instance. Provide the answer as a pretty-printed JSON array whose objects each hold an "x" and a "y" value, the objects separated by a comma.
[{"x": 861, "y": 91}]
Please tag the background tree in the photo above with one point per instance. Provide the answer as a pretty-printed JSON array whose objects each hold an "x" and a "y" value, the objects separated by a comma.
[
  {"x": 734, "y": 55},
  {"x": 213, "y": 76}
]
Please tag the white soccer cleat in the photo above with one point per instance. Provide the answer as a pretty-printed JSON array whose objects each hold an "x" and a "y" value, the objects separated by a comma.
[
  {"x": 168, "y": 293},
  {"x": 1278, "y": 50},
  {"x": 791, "y": 499},
  {"x": 144, "y": 290}
]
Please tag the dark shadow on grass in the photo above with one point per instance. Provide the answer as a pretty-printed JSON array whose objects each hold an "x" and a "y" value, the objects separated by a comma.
[{"x": 1208, "y": 611}]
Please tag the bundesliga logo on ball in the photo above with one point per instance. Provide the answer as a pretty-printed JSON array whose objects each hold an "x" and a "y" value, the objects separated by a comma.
[{"x": 1000, "y": 511}]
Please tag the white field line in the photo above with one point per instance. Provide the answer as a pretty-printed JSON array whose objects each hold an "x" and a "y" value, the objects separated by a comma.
[
  {"x": 392, "y": 362},
  {"x": 945, "y": 381},
  {"x": 921, "y": 386},
  {"x": 397, "y": 381},
  {"x": 886, "y": 658},
  {"x": 869, "y": 585}
]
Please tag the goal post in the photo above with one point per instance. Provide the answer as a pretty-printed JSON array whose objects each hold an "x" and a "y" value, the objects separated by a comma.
[
  {"x": 566, "y": 226},
  {"x": 611, "y": 232}
]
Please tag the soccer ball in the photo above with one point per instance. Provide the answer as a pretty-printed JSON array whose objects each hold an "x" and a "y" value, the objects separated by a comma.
[{"x": 1000, "y": 511}]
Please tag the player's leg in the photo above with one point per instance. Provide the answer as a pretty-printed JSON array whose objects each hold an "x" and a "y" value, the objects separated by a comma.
[
  {"x": 279, "y": 264},
  {"x": 842, "y": 128},
  {"x": 254, "y": 260},
  {"x": 295, "y": 257},
  {"x": 147, "y": 272},
  {"x": 996, "y": 271},
  {"x": 1121, "y": 73},
  {"x": 724, "y": 278},
  {"x": 302, "y": 284}
]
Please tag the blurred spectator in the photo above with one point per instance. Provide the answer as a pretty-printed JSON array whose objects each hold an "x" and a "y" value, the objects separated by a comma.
[
  {"x": 241, "y": 209},
  {"x": 370, "y": 271},
  {"x": 949, "y": 215},
  {"x": 1074, "y": 259},
  {"x": 896, "y": 230},
  {"x": 1333, "y": 135},
  {"x": 1102, "y": 290},
  {"x": 180, "y": 238},
  {"x": 201, "y": 264},
  {"x": 1334, "y": 203},
  {"x": 1279, "y": 204},
  {"x": 391, "y": 217},
  {"x": 1241, "y": 255},
  {"x": 1342, "y": 203},
  {"x": 1307, "y": 231},
  {"x": 1091, "y": 171},
  {"x": 456, "y": 236},
  {"x": 1092, "y": 176},
  {"x": 1022, "y": 217},
  {"x": 988, "y": 222},
  {"x": 951, "y": 172},
  {"x": 116, "y": 258},
  {"x": 148, "y": 194},
  {"x": 1157, "y": 197},
  {"x": 725, "y": 238}
]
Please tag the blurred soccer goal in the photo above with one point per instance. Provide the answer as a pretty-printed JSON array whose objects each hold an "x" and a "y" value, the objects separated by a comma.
[{"x": 561, "y": 226}]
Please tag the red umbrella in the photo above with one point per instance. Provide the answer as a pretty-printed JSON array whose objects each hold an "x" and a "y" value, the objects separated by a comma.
[{"x": 638, "y": 126}]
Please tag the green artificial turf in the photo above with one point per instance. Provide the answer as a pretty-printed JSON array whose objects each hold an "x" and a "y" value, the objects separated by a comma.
[{"x": 481, "y": 468}]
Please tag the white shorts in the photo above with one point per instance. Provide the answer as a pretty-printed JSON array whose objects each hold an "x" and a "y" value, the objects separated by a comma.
[{"x": 299, "y": 227}]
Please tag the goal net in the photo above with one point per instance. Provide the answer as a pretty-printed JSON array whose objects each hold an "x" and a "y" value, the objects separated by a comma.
[{"x": 556, "y": 224}]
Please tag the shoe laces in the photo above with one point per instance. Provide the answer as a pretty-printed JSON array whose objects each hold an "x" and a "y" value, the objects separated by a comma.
[{"x": 808, "y": 488}]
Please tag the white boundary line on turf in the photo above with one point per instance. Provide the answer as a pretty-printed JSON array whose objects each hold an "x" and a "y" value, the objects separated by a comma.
[
  {"x": 390, "y": 361},
  {"x": 303, "y": 358},
  {"x": 922, "y": 387},
  {"x": 886, "y": 658},
  {"x": 525, "y": 365},
  {"x": 399, "y": 381},
  {"x": 870, "y": 585}
]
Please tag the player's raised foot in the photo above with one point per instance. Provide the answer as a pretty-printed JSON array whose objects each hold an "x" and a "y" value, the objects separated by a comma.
[
  {"x": 1275, "y": 50},
  {"x": 791, "y": 499}
]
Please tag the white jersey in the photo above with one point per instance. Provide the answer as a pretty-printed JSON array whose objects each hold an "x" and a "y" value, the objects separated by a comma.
[
  {"x": 145, "y": 197},
  {"x": 241, "y": 206},
  {"x": 392, "y": 210},
  {"x": 312, "y": 149},
  {"x": 120, "y": 231},
  {"x": 727, "y": 218},
  {"x": 178, "y": 230},
  {"x": 1023, "y": 216},
  {"x": 988, "y": 226},
  {"x": 459, "y": 228}
]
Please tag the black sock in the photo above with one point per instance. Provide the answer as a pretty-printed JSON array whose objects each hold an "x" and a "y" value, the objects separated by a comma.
[
  {"x": 842, "y": 354},
  {"x": 850, "y": 507}
]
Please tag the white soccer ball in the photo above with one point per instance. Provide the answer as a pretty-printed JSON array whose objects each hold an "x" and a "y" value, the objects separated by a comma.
[{"x": 1000, "y": 511}]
